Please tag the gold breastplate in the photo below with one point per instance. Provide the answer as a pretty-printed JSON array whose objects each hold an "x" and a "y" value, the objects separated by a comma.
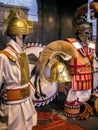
[{"x": 24, "y": 67}]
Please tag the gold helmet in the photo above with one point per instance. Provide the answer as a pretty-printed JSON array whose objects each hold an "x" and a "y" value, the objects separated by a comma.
[
  {"x": 60, "y": 73},
  {"x": 17, "y": 23},
  {"x": 18, "y": 26}
]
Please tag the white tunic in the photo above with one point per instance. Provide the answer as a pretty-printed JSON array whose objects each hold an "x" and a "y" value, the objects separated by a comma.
[{"x": 20, "y": 116}]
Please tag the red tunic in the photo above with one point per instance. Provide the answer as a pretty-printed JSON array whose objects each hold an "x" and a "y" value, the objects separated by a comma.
[{"x": 81, "y": 66}]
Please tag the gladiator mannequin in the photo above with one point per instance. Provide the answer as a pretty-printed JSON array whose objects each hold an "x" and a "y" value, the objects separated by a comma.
[
  {"x": 81, "y": 68},
  {"x": 16, "y": 108}
]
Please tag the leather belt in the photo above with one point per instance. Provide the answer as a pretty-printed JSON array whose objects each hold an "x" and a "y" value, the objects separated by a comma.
[{"x": 17, "y": 94}]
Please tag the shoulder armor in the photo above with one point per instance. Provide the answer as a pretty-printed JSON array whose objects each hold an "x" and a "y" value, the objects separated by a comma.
[
  {"x": 11, "y": 57},
  {"x": 71, "y": 40},
  {"x": 91, "y": 44}
]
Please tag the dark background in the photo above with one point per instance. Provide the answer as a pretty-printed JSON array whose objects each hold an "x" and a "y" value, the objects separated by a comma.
[{"x": 55, "y": 18}]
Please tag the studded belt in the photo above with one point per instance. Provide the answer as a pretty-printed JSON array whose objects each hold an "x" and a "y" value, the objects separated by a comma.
[{"x": 16, "y": 94}]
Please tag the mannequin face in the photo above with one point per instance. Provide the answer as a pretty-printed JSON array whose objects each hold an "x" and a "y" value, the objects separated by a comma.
[
  {"x": 85, "y": 32},
  {"x": 19, "y": 40}
]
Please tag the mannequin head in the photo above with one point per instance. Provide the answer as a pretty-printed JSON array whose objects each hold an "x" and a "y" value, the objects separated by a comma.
[
  {"x": 84, "y": 32},
  {"x": 18, "y": 28}
]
